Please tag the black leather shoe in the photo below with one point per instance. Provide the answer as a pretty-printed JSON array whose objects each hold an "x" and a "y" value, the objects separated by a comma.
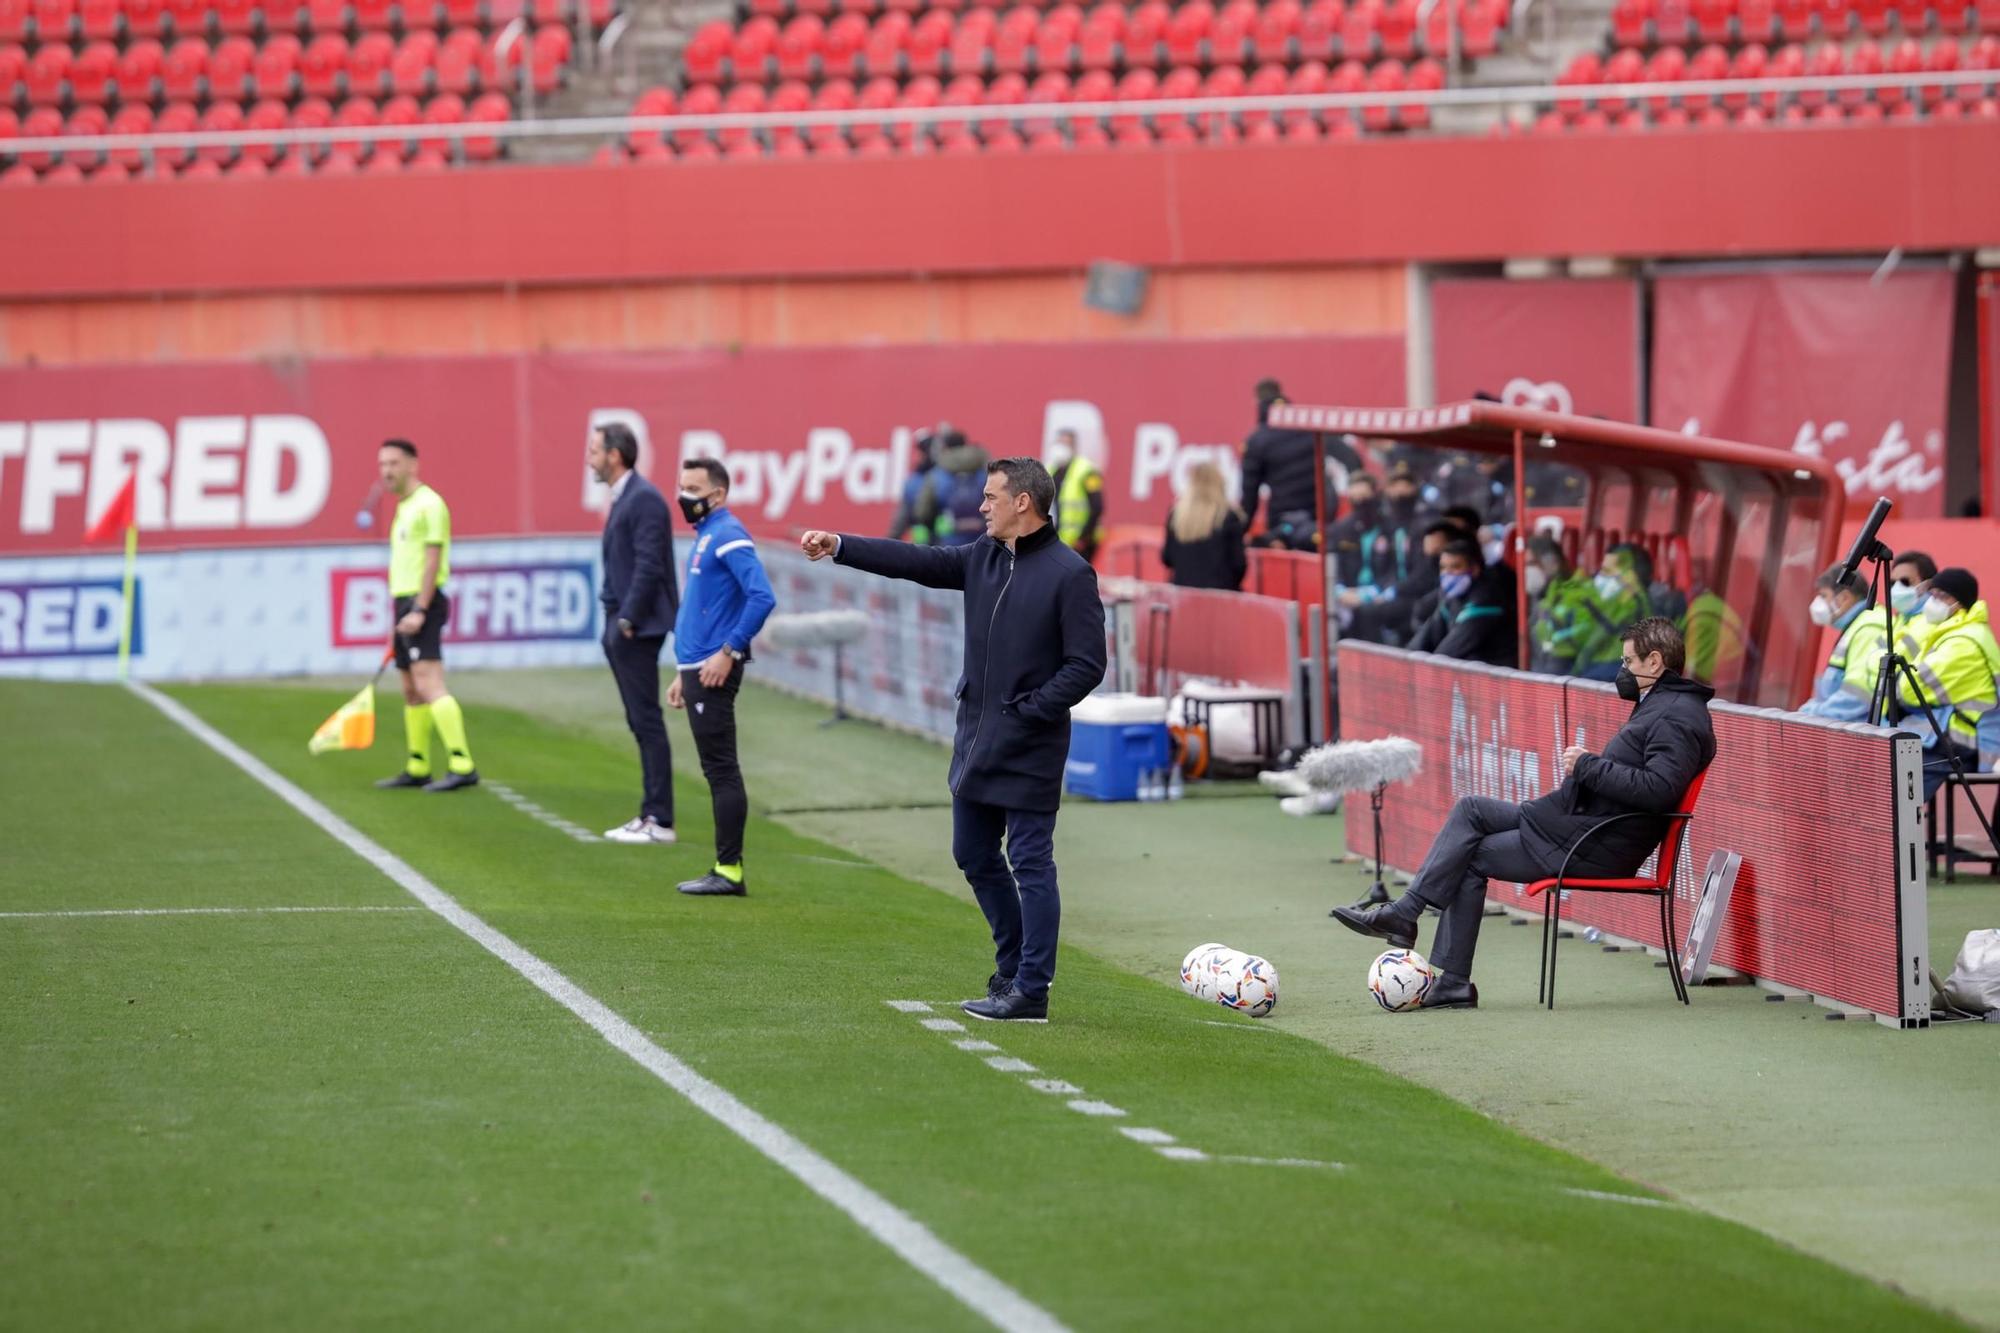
[
  {"x": 1010, "y": 1006},
  {"x": 1384, "y": 923},
  {"x": 996, "y": 986},
  {"x": 1449, "y": 992},
  {"x": 401, "y": 780},
  {"x": 713, "y": 885},
  {"x": 454, "y": 781}
]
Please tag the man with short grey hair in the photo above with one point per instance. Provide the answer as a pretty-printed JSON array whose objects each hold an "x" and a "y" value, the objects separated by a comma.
[{"x": 1034, "y": 648}]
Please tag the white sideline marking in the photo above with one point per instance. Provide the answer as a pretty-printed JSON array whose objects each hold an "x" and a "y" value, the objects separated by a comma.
[
  {"x": 1054, "y": 1085},
  {"x": 539, "y": 815},
  {"x": 1095, "y": 1108},
  {"x": 1239, "y": 1027},
  {"x": 975, "y": 1288},
  {"x": 974, "y": 1044},
  {"x": 1282, "y": 1161},
  {"x": 1638, "y": 1199},
  {"x": 1138, "y": 1135},
  {"x": 1183, "y": 1154},
  {"x": 908, "y": 1006},
  {"x": 199, "y": 911},
  {"x": 944, "y": 1025},
  {"x": 1007, "y": 1064}
]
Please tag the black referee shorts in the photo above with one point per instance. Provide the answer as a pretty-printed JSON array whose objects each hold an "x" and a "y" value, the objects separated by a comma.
[{"x": 427, "y": 644}]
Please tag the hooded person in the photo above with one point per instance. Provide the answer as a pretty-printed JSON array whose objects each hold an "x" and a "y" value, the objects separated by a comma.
[
  {"x": 1644, "y": 770},
  {"x": 923, "y": 457},
  {"x": 949, "y": 505}
]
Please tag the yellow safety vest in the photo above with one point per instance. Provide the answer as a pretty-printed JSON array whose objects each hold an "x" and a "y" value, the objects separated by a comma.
[
  {"x": 1957, "y": 672},
  {"x": 1073, "y": 503}
]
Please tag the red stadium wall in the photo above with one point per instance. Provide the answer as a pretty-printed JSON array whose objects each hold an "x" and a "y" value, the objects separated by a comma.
[
  {"x": 1815, "y": 904},
  {"x": 283, "y": 453},
  {"x": 1851, "y": 189},
  {"x": 738, "y": 313}
]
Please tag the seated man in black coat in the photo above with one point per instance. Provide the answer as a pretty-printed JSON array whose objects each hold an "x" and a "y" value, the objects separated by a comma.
[
  {"x": 1470, "y": 621},
  {"x": 1645, "y": 769}
]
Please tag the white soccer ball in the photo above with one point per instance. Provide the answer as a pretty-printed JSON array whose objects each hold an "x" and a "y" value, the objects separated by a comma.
[
  {"x": 1198, "y": 976},
  {"x": 1246, "y": 983},
  {"x": 1401, "y": 979}
]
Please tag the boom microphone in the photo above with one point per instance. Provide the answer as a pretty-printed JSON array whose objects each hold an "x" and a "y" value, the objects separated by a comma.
[{"x": 1865, "y": 545}]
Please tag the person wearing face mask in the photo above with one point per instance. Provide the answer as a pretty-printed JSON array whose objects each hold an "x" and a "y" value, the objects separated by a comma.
[
  {"x": 1644, "y": 770},
  {"x": 1369, "y": 553},
  {"x": 1474, "y": 619},
  {"x": 1391, "y": 615},
  {"x": 1621, "y": 600},
  {"x": 1909, "y": 581},
  {"x": 1846, "y": 686},
  {"x": 923, "y": 457},
  {"x": 1563, "y": 618},
  {"x": 1034, "y": 649},
  {"x": 725, "y": 600},
  {"x": 1079, "y": 495},
  {"x": 1956, "y": 675}
]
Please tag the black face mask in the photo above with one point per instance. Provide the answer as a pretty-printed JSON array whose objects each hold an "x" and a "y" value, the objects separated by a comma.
[
  {"x": 1366, "y": 510},
  {"x": 1403, "y": 504},
  {"x": 1628, "y": 684},
  {"x": 693, "y": 510}
]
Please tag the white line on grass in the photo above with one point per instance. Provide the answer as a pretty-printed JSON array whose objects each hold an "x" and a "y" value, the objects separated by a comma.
[
  {"x": 974, "y": 1287},
  {"x": 1638, "y": 1199},
  {"x": 197, "y": 911},
  {"x": 908, "y": 1006},
  {"x": 539, "y": 815}
]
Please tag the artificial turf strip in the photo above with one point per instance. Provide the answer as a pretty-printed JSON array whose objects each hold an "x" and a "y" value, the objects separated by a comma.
[{"x": 363, "y": 1056}]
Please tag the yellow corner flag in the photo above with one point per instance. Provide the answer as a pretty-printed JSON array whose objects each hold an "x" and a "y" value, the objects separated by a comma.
[{"x": 352, "y": 726}]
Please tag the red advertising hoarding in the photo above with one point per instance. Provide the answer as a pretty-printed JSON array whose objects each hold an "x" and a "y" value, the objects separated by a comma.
[
  {"x": 1816, "y": 904},
  {"x": 1834, "y": 364},
  {"x": 233, "y": 454},
  {"x": 1556, "y": 345}
]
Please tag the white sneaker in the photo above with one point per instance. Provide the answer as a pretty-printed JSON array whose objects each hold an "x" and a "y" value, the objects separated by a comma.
[
  {"x": 1312, "y": 803},
  {"x": 1288, "y": 783},
  {"x": 646, "y": 830}
]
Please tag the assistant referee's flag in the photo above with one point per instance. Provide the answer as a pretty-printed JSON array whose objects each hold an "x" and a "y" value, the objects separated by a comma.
[{"x": 352, "y": 726}]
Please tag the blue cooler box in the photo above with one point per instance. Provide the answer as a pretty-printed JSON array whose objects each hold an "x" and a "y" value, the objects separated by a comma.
[{"x": 1112, "y": 739}]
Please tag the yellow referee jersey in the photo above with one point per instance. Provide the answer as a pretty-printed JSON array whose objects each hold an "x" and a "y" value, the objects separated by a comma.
[{"x": 421, "y": 520}]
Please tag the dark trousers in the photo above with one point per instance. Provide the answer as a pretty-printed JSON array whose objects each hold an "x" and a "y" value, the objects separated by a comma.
[
  {"x": 712, "y": 719},
  {"x": 635, "y": 665},
  {"x": 1937, "y": 768},
  {"x": 1480, "y": 841},
  {"x": 1016, "y": 889}
]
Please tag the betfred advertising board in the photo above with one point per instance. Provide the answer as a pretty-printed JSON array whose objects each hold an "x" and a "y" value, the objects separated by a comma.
[
  {"x": 292, "y": 611},
  {"x": 278, "y": 454}
]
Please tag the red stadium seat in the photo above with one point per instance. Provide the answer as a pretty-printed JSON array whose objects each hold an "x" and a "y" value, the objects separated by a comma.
[
  {"x": 323, "y": 66},
  {"x": 1426, "y": 76},
  {"x": 88, "y": 120},
  {"x": 1710, "y": 65},
  {"x": 1797, "y": 19},
  {"x": 1906, "y": 57},
  {"x": 175, "y": 118},
  {"x": 327, "y": 15},
  {"x": 1388, "y": 76},
  {"x": 411, "y": 69},
  {"x": 745, "y": 99},
  {"x": 1146, "y": 33},
  {"x": 1004, "y": 141},
  {"x": 550, "y": 53},
  {"x": 1756, "y": 20},
  {"x": 276, "y": 67},
  {"x": 1871, "y": 15},
  {"x": 1481, "y": 24},
  {"x": 368, "y": 62},
  {"x": 92, "y": 77},
  {"x": 448, "y": 109},
  {"x": 44, "y": 122},
  {"x": 356, "y": 113},
  {"x": 1864, "y": 59},
  {"x": 799, "y": 44},
  {"x": 1673, "y": 22},
  {"x": 1140, "y": 85},
  {"x": 464, "y": 13},
  {"x": 703, "y": 56},
  {"x": 399, "y": 110},
  {"x": 13, "y": 74},
  {"x": 55, "y": 20},
  {"x": 464, "y": 63},
  {"x": 1943, "y": 59},
  {"x": 220, "y": 118},
  {"x": 486, "y": 109},
  {"x": 187, "y": 18},
  {"x": 111, "y": 173},
  {"x": 132, "y": 118},
  {"x": 313, "y": 113},
  {"x": 230, "y": 67},
  {"x": 972, "y": 42},
  {"x": 1188, "y": 31},
  {"x": 1836, "y": 18},
  {"x": 266, "y": 115},
  {"x": 375, "y": 15},
  {"x": 1014, "y": 40},
  {"x": 48, "y": 75},
  {"x": 1632, "y": 23},
  {"x": 841, "y": 44},
  {"x": 1397, "y": 29},
  {"x": 888, "y": 41},
  {"x": 1095, "y": 87},
  {"x": 237, "y": 17},
  {"x": 1868, "y": 113},
  {"x": 1358, "y": 39},
  {"x": 1712, "y": 19},
  {"x": 98, "y": 20},
  {"x": 1319, "y": 30},
  {"x": 652, "y": 102},
  {"x": 14, "y": 15},
  {"x": 1668, "y": 65},
  {"x": 1277, "y": 30},
  {"x": 63, "y": 173},
  {"x": 1230, "y": 36},
  {"x": 247, "y": 165},
  {"x": 930, "y": 40}
]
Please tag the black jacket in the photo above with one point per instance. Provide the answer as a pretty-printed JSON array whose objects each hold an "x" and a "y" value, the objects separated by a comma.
[
  {"x": 1034, "y": 648},
  {"x": 1371, "y": 552},
  {"x": 1283, "y": 460},
  {"x": 639, "y": 582},
  {"x": 1645, "y": 768},
  {"x": 1478, "y": 627},
  {"x": 1216, "y": 561}
]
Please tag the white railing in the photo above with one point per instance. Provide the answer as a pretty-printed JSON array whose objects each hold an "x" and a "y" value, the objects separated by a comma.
[{"x": 1058, "y": 113}]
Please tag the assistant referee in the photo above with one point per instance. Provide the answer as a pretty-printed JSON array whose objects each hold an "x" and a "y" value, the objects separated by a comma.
[{"x": 419, "y": 565}]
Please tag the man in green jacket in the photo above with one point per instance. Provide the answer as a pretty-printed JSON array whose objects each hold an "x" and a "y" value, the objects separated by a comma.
[{"x": 1562, "y": 618}]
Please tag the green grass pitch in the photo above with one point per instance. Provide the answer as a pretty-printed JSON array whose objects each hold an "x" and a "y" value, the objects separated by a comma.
[{"x": 357, "y": 1118}]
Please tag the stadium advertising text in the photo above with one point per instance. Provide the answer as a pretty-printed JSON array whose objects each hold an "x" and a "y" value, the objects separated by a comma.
[
  {"x": 504, "y": 604},
  {"x": 79, "y": 619}
]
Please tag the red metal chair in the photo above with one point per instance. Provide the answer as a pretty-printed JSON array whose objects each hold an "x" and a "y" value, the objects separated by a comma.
[{"x": 1660, "y": 885}]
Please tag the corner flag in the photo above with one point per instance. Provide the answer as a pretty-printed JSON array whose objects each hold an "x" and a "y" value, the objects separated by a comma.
[{"x": 121, "y": 515}]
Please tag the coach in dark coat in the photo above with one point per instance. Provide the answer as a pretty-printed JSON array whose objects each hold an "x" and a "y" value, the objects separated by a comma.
[
  {"x": 1034, "y": 648},
  {"x": 640, "y": 600},
  {"x": 1645, "y": 769}
]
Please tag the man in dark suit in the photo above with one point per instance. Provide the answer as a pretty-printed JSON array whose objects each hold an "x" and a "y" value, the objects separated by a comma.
[
  {"x": 640, "y": 601},
  {"x": 1645, "y": 769},
  {"x": 1034, "y": 647}
]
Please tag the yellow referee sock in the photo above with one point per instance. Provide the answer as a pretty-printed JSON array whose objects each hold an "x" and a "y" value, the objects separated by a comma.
[
  {"x": 450, "y": 719},
  {"x": 417, "y": 739}
]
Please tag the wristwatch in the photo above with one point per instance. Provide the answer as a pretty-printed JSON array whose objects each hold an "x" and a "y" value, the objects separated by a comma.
[{"x": 736, "y": 653}]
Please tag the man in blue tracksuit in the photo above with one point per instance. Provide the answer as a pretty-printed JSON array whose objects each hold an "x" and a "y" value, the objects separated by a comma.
[
  {"x": 1034, "y": 647},
  {"x": 724, "y": 602}
]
